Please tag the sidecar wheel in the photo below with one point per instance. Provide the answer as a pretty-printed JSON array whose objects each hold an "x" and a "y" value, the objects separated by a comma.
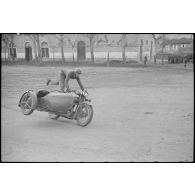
[
  {"x": 85, "y": 116},
  {"x": 27, "y": 103},
  {"x": 53, "y": 116}
]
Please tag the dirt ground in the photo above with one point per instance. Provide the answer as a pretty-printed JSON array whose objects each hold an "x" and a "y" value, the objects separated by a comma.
[{"x": 140, "y": 115}]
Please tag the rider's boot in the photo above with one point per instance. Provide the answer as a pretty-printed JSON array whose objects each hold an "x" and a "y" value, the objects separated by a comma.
[{"x": 48, "y": 81}]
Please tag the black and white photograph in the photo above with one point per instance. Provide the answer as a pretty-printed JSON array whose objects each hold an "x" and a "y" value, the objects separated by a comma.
[{"x": 97, "y": 97}]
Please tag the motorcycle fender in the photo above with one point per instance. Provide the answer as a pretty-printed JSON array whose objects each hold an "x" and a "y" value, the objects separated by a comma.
[{"x": 88, "y": 102}]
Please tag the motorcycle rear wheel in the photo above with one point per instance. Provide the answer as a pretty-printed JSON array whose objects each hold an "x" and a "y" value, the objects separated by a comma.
[
  {"x": 53, "y": 116},
  {"x": 85, "y": 115}
]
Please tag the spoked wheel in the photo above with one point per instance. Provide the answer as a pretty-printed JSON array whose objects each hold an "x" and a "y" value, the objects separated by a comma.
[
  {"x": 53, "y": 116},
  {"x": 85, "y": 115},
  {"x": 27, "y": 103}
]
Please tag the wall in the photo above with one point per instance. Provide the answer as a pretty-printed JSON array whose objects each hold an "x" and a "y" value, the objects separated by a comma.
[{"x": 100, "y": 50}]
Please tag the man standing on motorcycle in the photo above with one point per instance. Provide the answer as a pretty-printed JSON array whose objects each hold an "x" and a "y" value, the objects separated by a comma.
[{"x": 64, "y": 76}]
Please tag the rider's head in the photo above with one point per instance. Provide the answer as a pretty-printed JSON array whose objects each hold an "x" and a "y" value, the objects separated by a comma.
[{"x": 78, "y": 71}]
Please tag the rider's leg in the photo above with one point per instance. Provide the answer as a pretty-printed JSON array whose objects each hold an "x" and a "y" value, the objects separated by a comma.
[
  {"x": 56, "y": 82},
  {"x": 62, "y": 78},
  {"x": 52, "y": 82}
]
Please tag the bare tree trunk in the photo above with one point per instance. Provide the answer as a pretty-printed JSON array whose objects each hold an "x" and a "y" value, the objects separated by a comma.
[
  {"x": 12, "y": 52},
  {"x": 62, "y": 53},
  {"x": 151, "y": 50},
  {"x": 108, "y": 57},
  {"x": 5, "y": 52},
  {"x": 123, "y": 55},
  {"x": 154, "y": 47},
  {"x": 163, "y": 48},
  {"x": 154, "y": 51},
  {"x": 123, "y": 48},
  {"x": 73, "y": 59},
  {"x": 33, "y": 38},
  {"x": 141, "y": 51},
  {"x": 12, "y": 49},
  {"x": 38, "y": 48},
  {"x": 91, "y": 47},
  {"x": 8, "y": 53},
  {"x": 162, "y": 55},
  {"x": 108, "y": 60},
  {"x": 92, "y": 54}
]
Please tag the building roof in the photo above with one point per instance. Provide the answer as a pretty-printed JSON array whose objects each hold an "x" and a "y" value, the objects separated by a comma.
[{"x": 178, "y": 41}]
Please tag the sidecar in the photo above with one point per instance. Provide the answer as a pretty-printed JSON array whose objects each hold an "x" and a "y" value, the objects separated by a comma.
[{"x": 53, "y": 102}]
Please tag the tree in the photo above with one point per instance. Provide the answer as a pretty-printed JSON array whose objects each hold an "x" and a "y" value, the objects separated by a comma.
[
  {"x": 163, "y": 45},
  {"x": 124, "y": 44},
  {"x": 61, "y": 42},
  {"x": 33, "y": 38},
  {"x": 108, "y": 43},
  {"x": 73, "y": 42},
  {"x": 36, "y": 46},
  {"x": 5, "y": 40},
  {"x": 93, "y": 39},
  {"x": 162, "y": 39},
  {"x": 8, "y": 40},
  {"x": 155, "y": 45}
]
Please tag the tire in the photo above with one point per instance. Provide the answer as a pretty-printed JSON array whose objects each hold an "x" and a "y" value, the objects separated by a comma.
[
  {"x": 27, "y": 103},
  {"x": 89, "y": 115},
  {"x": 53, "y": 116}
]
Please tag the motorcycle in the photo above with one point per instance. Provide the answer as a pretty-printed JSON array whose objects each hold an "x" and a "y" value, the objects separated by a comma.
[{"x": 73, "y": 105}]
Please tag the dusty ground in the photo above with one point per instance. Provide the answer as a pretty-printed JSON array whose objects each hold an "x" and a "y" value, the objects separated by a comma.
[{"x": 140, "y": 114}]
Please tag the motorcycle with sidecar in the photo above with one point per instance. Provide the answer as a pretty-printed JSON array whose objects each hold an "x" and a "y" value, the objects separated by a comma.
[{"x": 73, "y": 105}]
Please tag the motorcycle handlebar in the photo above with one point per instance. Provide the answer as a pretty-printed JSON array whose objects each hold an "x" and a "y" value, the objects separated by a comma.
[{"x": 78, "y": 92}]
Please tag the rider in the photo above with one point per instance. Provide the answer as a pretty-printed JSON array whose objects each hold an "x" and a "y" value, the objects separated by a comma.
[{"x": 64, "y": 76}]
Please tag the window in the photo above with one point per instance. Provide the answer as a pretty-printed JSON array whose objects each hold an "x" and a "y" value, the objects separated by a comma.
[{"x": 44, "y": 50}]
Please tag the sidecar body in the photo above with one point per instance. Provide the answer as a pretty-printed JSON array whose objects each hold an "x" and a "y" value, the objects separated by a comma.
[{"x": 42, "y": 100}]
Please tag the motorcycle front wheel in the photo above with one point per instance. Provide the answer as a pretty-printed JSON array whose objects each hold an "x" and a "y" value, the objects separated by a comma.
[{"x": 85, "y": 115}]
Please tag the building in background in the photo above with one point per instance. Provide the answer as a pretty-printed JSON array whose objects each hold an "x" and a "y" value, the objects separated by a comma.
[
  {"x": 175, "y": 50},
  {"x": 174, "y": 45},
  {"x": 81, "y": 47}
]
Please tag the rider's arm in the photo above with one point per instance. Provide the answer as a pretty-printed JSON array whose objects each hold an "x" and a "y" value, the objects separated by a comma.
[{"x": 80, "y": 84}]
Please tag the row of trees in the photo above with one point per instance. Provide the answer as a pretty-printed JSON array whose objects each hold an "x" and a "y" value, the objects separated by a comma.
[
  {"x": 94, "y": 40},
  {"x": 8, "y": 40},
  {"x": 64, "y": 39}
]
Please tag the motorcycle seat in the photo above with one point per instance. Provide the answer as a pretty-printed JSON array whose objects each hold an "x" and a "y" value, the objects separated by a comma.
[{"x": 42, "y": 93}]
